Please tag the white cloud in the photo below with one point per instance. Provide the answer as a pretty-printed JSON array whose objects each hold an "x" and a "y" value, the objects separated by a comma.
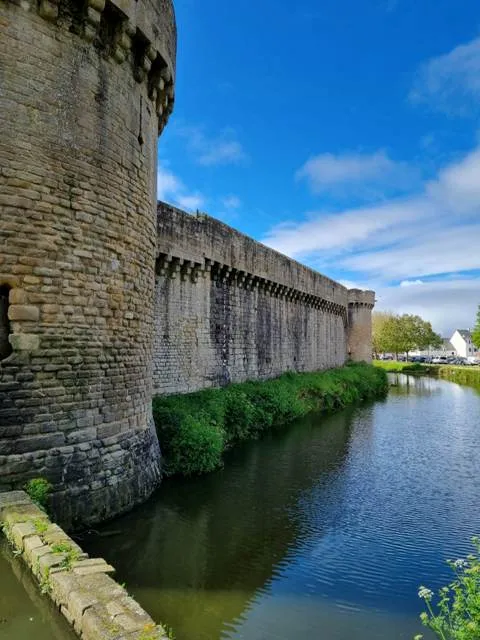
[
  {"x": 354, "y": 172},
  {"x": 458, "y": 186},
  {"x": 410, "y": 283},
  {"x": 451, "y": 82},
  {"x": 422, "y": 242},
  {"x": 167, "y": 183},
  {"x": 221, "y": 149},
  {"x": 231, "y": 202},
  {"x": 448, "y": 304},
  {"x": 345, "y": 230},
  {"x": 171, "y": 189},
  {"x": 191, "y": 202},
  {"x": 221, "y": 152},
  {"x": 432, "y": 232}
]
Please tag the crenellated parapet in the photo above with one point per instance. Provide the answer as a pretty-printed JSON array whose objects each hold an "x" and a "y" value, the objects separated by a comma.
[
  {"x": 140, "y": 34},
  {"x": 358, "y": 298}
]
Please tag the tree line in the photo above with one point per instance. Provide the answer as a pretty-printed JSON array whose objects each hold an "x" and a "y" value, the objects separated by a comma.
[{"x": 392, "y": 333}]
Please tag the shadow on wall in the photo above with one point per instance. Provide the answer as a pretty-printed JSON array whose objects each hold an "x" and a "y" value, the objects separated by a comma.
[{"x": 5, "y": 346}]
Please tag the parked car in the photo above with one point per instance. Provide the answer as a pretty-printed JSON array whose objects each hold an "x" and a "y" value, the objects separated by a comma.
[
  {"x": 473, "y": 360},
  {"x": 440, "y": 360}
]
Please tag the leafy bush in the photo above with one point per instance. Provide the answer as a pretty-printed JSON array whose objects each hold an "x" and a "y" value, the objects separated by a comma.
[
  {"x": 457, "y": 615},
  {"x": 38, "y": 490},
  {"x": 194, "y": 429}
]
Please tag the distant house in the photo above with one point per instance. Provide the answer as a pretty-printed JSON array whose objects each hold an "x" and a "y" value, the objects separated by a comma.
[{"x": 462, "y": 342}]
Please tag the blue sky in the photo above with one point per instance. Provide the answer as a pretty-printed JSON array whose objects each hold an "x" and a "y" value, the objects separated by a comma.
[{"x": 345, "y": 134}]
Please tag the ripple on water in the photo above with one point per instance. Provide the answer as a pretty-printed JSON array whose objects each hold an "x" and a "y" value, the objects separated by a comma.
[{"x": 323, "y": 530}]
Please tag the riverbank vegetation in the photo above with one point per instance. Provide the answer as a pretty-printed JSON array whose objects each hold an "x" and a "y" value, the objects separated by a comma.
[
  {"x": 456, "y": 614},
  {"x": 468, "y": 375},
  {"x": 195, "y": 429}
]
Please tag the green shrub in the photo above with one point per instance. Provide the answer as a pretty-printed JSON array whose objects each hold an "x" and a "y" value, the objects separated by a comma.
[
  {"x": 194, "y": 429},
  {"x": 456, "y": 615},
  {"x": 191, "y": 444},
  {"x": 38, "y": 489}
]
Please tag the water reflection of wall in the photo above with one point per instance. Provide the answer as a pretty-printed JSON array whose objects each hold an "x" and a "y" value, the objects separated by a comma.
[{"x": 223, "y": 536}]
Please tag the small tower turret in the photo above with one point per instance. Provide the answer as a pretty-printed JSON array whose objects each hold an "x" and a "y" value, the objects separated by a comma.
[{"x": 360, "y": 305}]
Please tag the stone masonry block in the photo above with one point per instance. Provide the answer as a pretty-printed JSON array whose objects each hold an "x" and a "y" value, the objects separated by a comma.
[
  {"x": 21, "y": 531},
  {"x": 62, "y": 584},
  {"x": 24, "y": 341},
  {"x": 23, "y": 312},
  {"x": 91, "y": 566}
]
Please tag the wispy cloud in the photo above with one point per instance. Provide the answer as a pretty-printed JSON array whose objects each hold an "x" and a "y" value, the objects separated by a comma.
[
  {"x": 410, "y": 283},
  {"x": 451, "y": 82},
  {"x": 433, "y": 231},
  {"x": 171, "y": 189},
  {"x": 231, "y": 202},
  {"x": 221, "y": 149},
  {"x": 355, "y": 173},
  {"x": 448, "y": 304}
]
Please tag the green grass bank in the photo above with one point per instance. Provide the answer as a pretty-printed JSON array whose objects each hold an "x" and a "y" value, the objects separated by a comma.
[
  {"x": 195, "y": 429},
  {"x": 462, "y": 375}
]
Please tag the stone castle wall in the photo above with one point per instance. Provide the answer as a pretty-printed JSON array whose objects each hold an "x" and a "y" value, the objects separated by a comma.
[
  {"x": 85, "y": 89},
  {"x": 103, "y": 302},
  {"x": 229, "y": 309}
]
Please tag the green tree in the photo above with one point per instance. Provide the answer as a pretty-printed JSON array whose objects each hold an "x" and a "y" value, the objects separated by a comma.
[
  {"x": 379, "y": 319},
  {"x": 401, "y": 334},
  {"x": 476, "y": 330},
  {"x": 418, "y": 333}
]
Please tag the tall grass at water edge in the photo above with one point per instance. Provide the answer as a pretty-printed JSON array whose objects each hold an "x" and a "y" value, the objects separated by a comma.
[{"x": 195, "y": 429}]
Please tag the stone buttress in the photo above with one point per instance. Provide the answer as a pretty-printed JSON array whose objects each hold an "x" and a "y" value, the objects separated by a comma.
[{"x": 85, "y": 90}]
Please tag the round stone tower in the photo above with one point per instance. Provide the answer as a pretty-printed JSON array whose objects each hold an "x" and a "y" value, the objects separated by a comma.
[
  {"x": 360, "y": 305},
  {"x": 85, "y": 89}
]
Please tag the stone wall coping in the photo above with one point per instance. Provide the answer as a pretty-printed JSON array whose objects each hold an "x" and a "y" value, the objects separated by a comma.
[{"x": 96, "y": 606}]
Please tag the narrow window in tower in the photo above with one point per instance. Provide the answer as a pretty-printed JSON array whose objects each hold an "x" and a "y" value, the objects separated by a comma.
[{"x": 5, "y": 346}]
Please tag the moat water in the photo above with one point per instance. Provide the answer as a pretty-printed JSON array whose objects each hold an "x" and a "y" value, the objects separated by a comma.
[
  {"x": 24, "y": 612},
  {"x": 321, "y": 531}
]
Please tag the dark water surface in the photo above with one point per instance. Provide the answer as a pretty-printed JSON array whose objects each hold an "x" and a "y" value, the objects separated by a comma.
[
  {"x": 323, "y": 530},
  {"x": 24, "y": 612}
]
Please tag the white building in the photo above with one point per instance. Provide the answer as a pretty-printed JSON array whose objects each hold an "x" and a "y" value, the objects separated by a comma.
[{"x": 462, "y": 342}]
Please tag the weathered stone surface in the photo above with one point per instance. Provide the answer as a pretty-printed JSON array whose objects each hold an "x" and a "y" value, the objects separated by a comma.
[
  {"x": 360, "y": 305},
  {"x": 229, "y": 309},
  {"x": 77, "y": 189},
  {"x": 21, "y": 531},
  {"x": 91, "y": 566}
]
